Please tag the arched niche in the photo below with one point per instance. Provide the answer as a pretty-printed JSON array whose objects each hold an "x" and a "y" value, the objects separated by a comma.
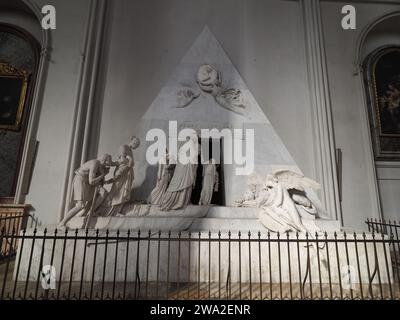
[
  {"x": 379, "y": 40},
  {"x": 379, "y": 53},
  {"x": 25, "y": 50}
]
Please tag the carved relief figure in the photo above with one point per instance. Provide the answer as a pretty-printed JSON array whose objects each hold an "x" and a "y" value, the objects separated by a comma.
[
  {"x": 209, "y": 80},
  {"x": 185, "y": 97},
  {"x": 179, "y": 191},
  {"x": 122, "y": 181},
  {"x": 281, "y": 198},
  {"x": 210, "y": 182},
  {"x": 164, "y": 175},
  {"x": 232, "y": 100},
  {"x": 86, "y": 187}
]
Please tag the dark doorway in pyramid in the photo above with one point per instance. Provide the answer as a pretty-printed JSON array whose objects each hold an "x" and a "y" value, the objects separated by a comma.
[{"x": 214, "y": 149}]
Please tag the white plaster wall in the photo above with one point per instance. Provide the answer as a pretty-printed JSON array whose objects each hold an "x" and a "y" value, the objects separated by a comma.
[
  {"x": 264, "y": 40},
  {"x": 389, "y": 186},
  {"x": 56, "y": 109},
  {"x": 388, "y": 173},
  {"x": 348, "y": 108}
]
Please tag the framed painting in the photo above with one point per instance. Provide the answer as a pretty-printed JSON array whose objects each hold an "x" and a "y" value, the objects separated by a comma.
[
  {"x": 382, "y": 81},
  {"x": 13, "y": 90}
]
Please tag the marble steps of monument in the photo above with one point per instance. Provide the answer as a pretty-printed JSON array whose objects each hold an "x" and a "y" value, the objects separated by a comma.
[
  {"x": 254, "y": 225},
  {"x": 226, "y": 224},
  {"x": 233, "y": 213}
]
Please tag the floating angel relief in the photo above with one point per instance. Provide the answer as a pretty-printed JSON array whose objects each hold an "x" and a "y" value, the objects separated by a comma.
[
  {"x": 209, "y": 81},
  {"x": 185, "y": 97},
  {"x": 232, "y": 99}
]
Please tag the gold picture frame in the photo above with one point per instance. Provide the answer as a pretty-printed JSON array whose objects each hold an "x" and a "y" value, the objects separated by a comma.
[
  {"x": 13, "y": 93},
  {"x": 381, "y": 69}
]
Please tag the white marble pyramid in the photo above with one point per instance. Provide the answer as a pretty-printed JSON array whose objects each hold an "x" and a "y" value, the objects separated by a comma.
[
  {"x": 204, "y": 113},
  {"x": 205, "y": 50}
]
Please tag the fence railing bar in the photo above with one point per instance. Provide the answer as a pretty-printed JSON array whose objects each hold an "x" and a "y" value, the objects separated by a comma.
[
  {"x": 395, "y": 262},
  {"x": 328, "y": 263},
  {"x": 356, "y": 242},
  {"x": 94, "y": 265},
  {"x": 280, "y": 269},
  {"x": 7, "y": 236},
  {"x": 198, "y": 266},
  {"x": 178, "y": 269},
  {"x": 137, "y": 274},
  {"x": 259, "y": 265},
  {"x": 319, "y": 267},
  {"x": 189, "y": 265},
  {"x": 72, "y": 265},
  {"x": 147, "y": 265},
  {"x": 387, "y": 270},
  {"x": 219, "y": 265},
  {"x": 270, "y": 267},
  {"x": 158, "y": 263},
  {"x": 250, "y": 278},
  {"x": 115, "y": 267},
  {"x": 168, "y": 262},
  {"x": 338, "y": 267},
  {"x": 83, "y": 266},
  {"x": 28, "y": 274},
  {"x": 60, "y": 282},
  {"x": 18, "y": 266},
  {"x": 348, "y": 263},
  {"x": 40, "y": 263},
  {"x": 240, "y": 266},
  {"x": 228, "y": 279},
  {"x": 313, "y": 254},
  {"x": 377, "y": 268},
  {"x": 209, "y": 265}
]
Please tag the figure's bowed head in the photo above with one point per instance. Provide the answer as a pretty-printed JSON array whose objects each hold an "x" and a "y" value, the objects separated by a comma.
[{"x": 106, "y": 161}]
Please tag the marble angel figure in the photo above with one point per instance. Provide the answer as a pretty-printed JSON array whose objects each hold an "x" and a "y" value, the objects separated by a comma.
[
  {"x": 281, "y": 198},
  {"x": 164, "y": 175},
  {"x": 210, "y": 182}
]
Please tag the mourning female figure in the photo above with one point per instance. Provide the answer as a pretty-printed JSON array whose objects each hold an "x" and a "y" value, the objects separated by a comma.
[
  {"x": 210, "y": 182},
  {"x": 164, "y": 174},
  {"x": 179, "y": 191},
  {"x": 122, "y": 180}
]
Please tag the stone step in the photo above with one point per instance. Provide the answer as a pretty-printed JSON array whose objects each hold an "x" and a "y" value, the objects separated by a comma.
[
  {"x": 254, "y": 225},
  {"x": 225, "y": 225},
  {"x": 233, "y": 213},
  {"x": 193, "y": 224}
]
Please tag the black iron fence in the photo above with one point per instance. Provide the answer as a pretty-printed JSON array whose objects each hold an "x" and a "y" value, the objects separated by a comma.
[
  {"x": 12, "y": 223},
  {"x": 392, "y": 229},
  {"x": 382, "y": 226},
  {"x": 91, "y": 264}
]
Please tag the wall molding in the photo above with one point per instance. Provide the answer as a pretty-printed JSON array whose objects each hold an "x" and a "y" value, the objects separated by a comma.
[
  {"x": 84, "y": 107},
  {"x": 321, "y": 109},
  {"x": 33, "y": 123}
]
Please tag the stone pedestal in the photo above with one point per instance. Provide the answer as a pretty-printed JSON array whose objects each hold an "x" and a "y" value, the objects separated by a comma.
[{"x": 193, "y": 218}]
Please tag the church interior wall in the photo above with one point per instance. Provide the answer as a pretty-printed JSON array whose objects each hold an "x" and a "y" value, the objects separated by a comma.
[
  {"x": 349, "y": 110},
  {"x": 57, "y": 107},
  {"x": 264, "y": 40}
]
